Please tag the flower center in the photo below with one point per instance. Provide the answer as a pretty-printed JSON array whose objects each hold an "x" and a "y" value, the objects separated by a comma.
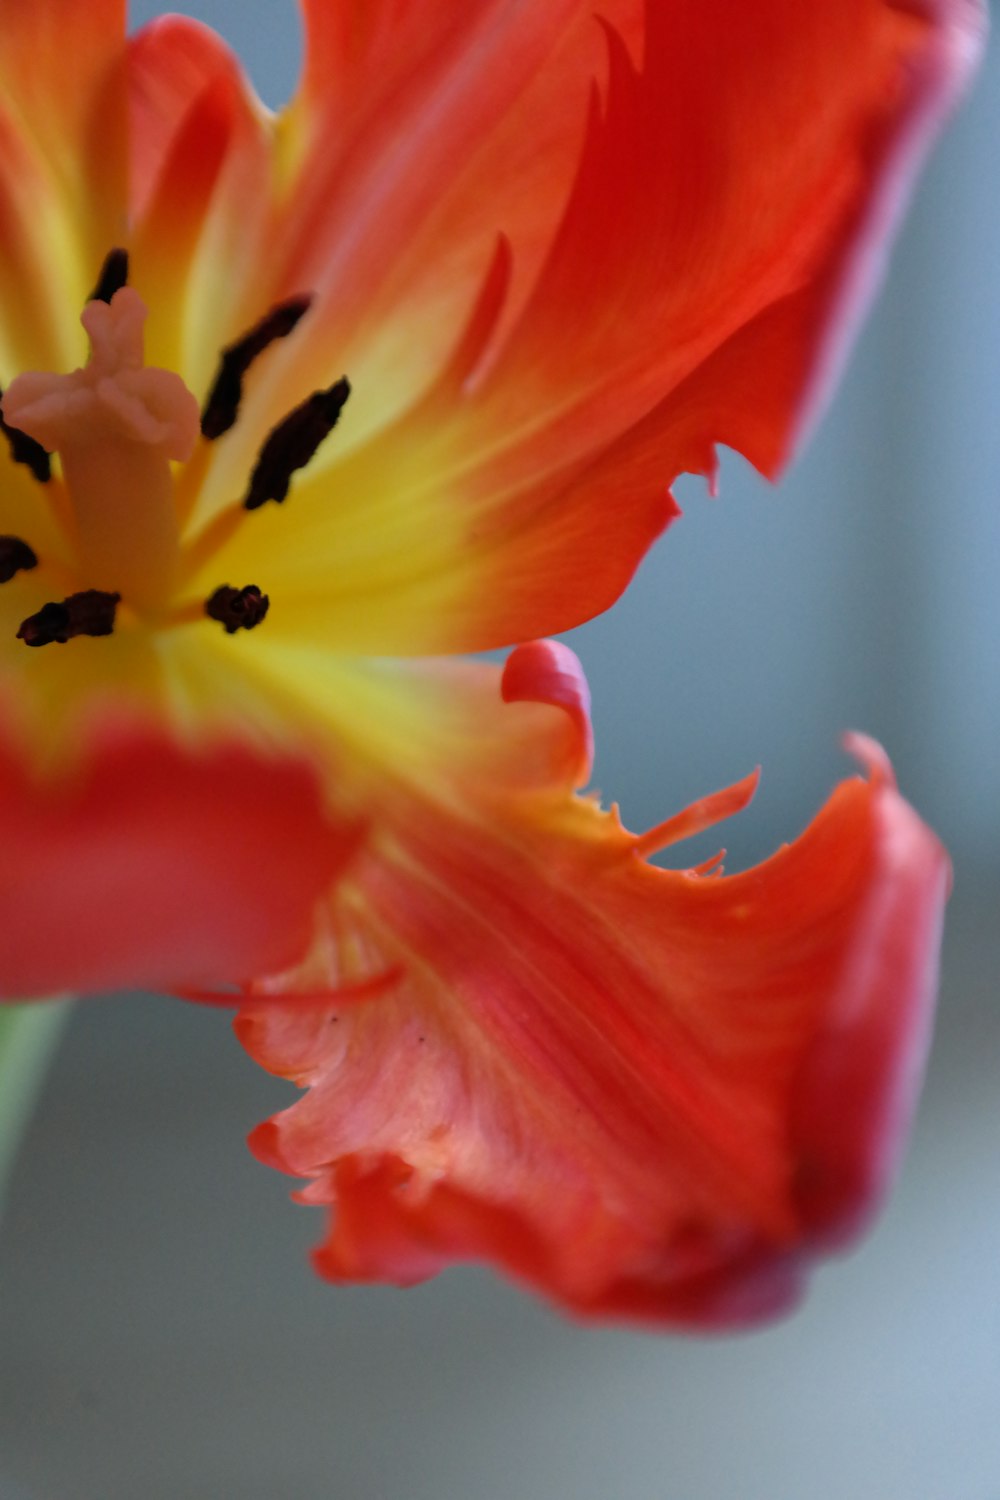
[{"x": 120, "y": 428}]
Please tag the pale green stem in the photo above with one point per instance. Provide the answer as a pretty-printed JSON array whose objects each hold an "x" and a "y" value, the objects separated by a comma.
[{"x": 28, "y": 1035}]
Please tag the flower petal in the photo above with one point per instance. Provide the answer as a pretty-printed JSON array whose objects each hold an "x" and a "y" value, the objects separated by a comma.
[
  {"x": 153, "y": 868},
  {"x": 402, "y": 116},
  {"x": 377, "y": 185},
  {"x": 201, "y": 190},
  {"x": 62, "y": 170},
  {"x": 645, "y": 1092},
  {"x": 726, "y": 227}
]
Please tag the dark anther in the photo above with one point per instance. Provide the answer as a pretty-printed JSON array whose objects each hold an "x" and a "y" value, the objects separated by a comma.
[
  {"x": 114, "y": 275},
  {"x": 15, "y": 557},
  {"x": 88, "y": 613},
  {"x": 24, "y": 450},
  {"x": 293, "y": 442},
  {"x": 237, "y": 609},
  {"x": 223, "y": 404}
]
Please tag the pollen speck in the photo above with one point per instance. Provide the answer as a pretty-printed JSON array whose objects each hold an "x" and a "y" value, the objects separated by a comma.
[
  {"x": 293, "y": 442},
  {"x": 113, "y": 276},
  {"x": 15, "y": 557},
  {"x": 25, "y": 450},
  {"x": 223, "y": 404},
  {"x": 237, "y": 609},
  {"x": 91, "y": 612}
]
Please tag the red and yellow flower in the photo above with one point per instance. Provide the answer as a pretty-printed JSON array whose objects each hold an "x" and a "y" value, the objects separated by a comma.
[{"x": 402, "y": 373}]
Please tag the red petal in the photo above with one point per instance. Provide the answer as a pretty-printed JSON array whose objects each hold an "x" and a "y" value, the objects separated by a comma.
[
  {"x": 855, "y": 1095},
  {"x": 153, "y": 868},
  {"x": 171, "y": 62},
  {"x": 645, "y": 1093}
]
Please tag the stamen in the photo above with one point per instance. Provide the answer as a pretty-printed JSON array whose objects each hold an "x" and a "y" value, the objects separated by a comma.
[
  {"x": 237, "y": 609},
  {"x": 293, "y": 442},
  {"x": 114, "y": 275},
  {"x": 15, "y": 557},
  {"x": 25, "y": 450},
  {"x": 88, "y": 613},
  {"x": 222, "y": 407}
]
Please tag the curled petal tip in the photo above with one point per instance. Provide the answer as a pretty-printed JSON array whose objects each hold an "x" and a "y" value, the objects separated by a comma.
[
  {"x": 549, "y": 672},
  {"x": 872, "y": 757}
]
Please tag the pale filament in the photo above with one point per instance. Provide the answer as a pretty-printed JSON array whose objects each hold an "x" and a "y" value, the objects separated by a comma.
[{"x": 116, "y": 426}]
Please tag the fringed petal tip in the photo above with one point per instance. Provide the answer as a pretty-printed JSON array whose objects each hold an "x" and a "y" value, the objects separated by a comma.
[
  {"x": 697, "y": 817},
  {"x": 383, "y": 1235},
  {"x": 649, "y": 1096}
]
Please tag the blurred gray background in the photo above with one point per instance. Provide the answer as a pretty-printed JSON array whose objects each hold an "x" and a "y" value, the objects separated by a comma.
[{"x": 161, "y": 1337}]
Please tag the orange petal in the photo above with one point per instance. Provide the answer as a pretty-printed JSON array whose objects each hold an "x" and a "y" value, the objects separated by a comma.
[
  {"x": 645, "y": 1093},
  {"x": 152, "y": 868},
  {"x": 200, "y": 184},
  {"x": 62, "y": 169},
  {"x": 724, "y": 237},
  {"x": 61, "y": 64},
  {"x": 378, "y": 181},
  {"x": 706, "y": 194},
  {"x": 715, "y": 249},
  {"x": 402, "y": 119}
]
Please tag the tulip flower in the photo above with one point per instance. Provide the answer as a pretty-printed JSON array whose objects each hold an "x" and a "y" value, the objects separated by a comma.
[{"x": 299, "y": 412}]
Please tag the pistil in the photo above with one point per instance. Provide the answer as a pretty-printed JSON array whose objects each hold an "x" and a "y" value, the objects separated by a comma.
[{"x": 116, "y": 425}]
